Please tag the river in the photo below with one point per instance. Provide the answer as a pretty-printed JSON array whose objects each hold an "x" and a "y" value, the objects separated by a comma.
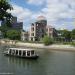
[{"x": 48, "y": 63}]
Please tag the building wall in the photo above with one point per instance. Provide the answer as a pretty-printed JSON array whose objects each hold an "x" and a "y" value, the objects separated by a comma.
[
  {"x": 37, "y": 30},
  {"x": 17, "y": 25},
  {"x": 24, "y": 36},
  {"x": 51, "y": 32}
]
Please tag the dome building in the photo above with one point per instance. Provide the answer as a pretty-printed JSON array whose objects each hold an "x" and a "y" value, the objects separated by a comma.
[
  {"x": 41, "y": 18},
  {"x": 38, "y": 28}
]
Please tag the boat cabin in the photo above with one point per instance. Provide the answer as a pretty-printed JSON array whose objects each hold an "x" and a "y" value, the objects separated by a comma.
[{"x": 21, "y": 52}]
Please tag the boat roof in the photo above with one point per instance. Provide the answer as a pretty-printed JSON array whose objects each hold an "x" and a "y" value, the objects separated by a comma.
[{"x": 25, "y": 49}]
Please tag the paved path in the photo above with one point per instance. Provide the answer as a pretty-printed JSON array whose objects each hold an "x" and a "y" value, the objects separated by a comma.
[{"x": 51, "y": 47}]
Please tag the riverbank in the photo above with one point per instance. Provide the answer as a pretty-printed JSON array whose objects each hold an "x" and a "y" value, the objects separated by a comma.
[
  {"x": 50, "y": 47},
  {"x": 39, "y": 46}
]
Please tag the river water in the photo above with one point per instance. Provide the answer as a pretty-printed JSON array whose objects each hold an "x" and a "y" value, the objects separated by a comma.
[{"x": 48, "y": 63}]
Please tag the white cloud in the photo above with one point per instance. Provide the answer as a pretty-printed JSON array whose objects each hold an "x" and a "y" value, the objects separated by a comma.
[
  {"x": 35, "y": 2},
  {"x": 58, "y": 9},
  {"x": 53, "y": 11},
  {"x": 20, "y": 12}
]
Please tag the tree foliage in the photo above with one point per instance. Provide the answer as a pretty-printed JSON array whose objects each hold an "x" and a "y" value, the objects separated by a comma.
[
  {"x": 13, "y": 34},
  {"x": 5, "y": 16},
  {"x": 66, "y": 34},
  {"x": 4, "y": 6},
  {"x": 73, "y": 34},
  {"x": 4, "y": 29},
  {"x": 47, "y": 40}
]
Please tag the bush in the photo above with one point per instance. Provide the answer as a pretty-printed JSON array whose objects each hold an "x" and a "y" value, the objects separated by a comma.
[
  {"x": 47, "y": 40},
  {"x": 66, "y": 43},
  {"x": 73, "y": 43}
]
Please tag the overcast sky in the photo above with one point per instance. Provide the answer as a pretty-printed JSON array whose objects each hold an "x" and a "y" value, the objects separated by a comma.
[{"x": 59, "y": 13}]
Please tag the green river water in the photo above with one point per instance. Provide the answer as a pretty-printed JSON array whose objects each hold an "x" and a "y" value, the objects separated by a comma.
[{"x": 48, "y": 63}]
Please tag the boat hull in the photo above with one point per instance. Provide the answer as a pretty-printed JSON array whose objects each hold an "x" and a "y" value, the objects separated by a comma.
[{"x": 27, "y": 57}]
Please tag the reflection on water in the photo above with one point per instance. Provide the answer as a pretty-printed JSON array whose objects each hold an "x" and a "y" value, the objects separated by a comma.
[{"x": 21, "y": 61}]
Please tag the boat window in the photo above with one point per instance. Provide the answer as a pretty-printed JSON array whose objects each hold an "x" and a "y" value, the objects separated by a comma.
[
  {"x": 20, "y": 52},
  {"x": 32, "y": 52},
  {"x": 13, "y": 51},
  {"x": 10, "y": 51},
  {"x": 16, "y": 52},
  {"x": 24, "y": 53},
  {"x": 28, "y": 53}
]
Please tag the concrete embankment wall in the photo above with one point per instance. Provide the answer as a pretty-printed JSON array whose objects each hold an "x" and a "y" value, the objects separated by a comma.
[
  {"x": 37, "y": 45},
  {"x": 7, "y": 42},
  {"x": 50, "y": 47}
]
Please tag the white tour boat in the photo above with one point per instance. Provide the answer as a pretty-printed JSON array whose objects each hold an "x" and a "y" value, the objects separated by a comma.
[{"x": 21, "y": 52}]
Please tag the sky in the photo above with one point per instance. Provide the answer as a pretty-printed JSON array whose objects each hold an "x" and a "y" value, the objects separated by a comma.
[{"x": 59, "y": 13}]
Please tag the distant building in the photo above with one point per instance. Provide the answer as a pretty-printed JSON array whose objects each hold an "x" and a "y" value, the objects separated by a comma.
[
  {"x": 24, "y": 36},
  {"x": 13, "y": 19},
  {"x": 38, "y": 28},
  {"x": 17, "y": 25},
  {"x": 51, "y": 32},
  {"x": 14, "y": 23}
]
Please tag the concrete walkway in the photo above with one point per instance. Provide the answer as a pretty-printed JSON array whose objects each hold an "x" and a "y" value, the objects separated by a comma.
[{"x": 51, "y": 47}]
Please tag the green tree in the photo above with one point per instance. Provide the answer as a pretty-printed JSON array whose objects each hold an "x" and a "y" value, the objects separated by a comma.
[
  {"x": 13, "y": 34},
  {"x": 73, "y": 34},
  {"x": 4, "y": 15},
  {"x": 67, "y": 35},
  {"x": 47, "y": 40},
  {"x": 4, "y": 6},
  {"x": 4, "y": 30}
]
